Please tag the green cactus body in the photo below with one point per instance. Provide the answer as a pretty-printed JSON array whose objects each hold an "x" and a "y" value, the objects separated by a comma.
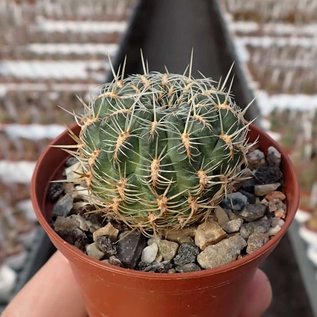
[{"x": 161, "y": 150}]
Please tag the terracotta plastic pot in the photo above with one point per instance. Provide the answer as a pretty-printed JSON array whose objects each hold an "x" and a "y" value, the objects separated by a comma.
[{"x": 111, "y": 291}]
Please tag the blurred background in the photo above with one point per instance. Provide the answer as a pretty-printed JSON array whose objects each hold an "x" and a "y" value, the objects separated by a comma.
[{"x": 54, "y": 53}]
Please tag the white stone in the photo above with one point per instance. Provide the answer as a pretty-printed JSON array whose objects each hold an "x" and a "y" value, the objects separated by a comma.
[
  {"x": 73, "y": 172},
  {"x": 262, "y": 190},
  {"x": 274, "y": 230},
  {"x": 277, "y": 222},
  {"x": 149, "y": 253},
  {"x": 80, "y": 192}
]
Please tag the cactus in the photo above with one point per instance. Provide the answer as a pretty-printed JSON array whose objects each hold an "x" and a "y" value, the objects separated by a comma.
[{"x": 160, "y": 150}]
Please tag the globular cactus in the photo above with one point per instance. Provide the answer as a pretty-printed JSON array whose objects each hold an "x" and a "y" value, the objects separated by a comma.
[{"x": 160, "y": 150}]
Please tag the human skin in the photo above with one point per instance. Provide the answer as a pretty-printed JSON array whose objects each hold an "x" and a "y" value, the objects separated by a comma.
[{"x": 53, "y": 292}]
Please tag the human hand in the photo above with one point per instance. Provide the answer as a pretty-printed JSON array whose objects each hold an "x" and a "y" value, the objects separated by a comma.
[{"x": 53, "y": 292}]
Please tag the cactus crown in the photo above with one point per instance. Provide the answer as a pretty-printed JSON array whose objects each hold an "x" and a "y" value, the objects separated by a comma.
[{"x": 160, "y": 150}]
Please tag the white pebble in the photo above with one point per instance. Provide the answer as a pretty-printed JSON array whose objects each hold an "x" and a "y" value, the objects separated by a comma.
[
  {"x": 73, "y": 172},
  {"x": 149, "y": 253},
  {"x": 80, "y": 192},
  {"x": 277, "y": 222},
  {"x": 274, "y": 230}
]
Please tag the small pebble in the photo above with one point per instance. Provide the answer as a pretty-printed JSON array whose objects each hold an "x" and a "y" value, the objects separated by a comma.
[
  {"x": 80, "y": 192},
  {"x": 221, "y": 215},
  {"x": 186, "y": 254},
  {"x": 232, "y": 226},
  {"x": 274, "y": 157},
  {"x": 248, "y": 185},
  {"x": 181, "y": 236},
  {"x": 251, "y": 197},
  {"x": 262, "y": 225},
  {"x": 221, "y": 253},
  {"x": 253, "y": 212},
  {"x": 209, "y": 232},
  {"x": 106, "y": 245},
  {"x": 268, "y": 174},
  {"x": 231, "y": 215},
  {"x": 63, "y": 206},
  {"x": 255, "y": 158},
  {"x": 114, "y": 261},
  {"x": 129, "y": 248},
  {"x": 274, "y": 230},
  {"x": 108, "y": 230},
  {"x": 93, "y": 251},
  {"x": 280, "y": 213},
  {"x": 55, "y": 191},
  {"x": 256, "y": 240},
  {"x": 277, "y": 222},
  {"x": 234, "y": 201},
  {"x": 262, "y": 190},
  {"x": 275, "y": 195},
  {"x": 189, "y": 267},
  {"x": 276, "y": 204},
  {"x": 73, "y": 173},
  {"x": 71, "y": 161},
  {"x": 68, "y": 229},
  {"x": 162, "y": 267},
  {"x": 168, "y": 249},
  {"x": 149, "y": 253}
]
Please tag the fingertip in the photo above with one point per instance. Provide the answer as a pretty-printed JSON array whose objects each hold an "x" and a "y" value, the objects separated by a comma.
[{"x": 258, "y": 296}]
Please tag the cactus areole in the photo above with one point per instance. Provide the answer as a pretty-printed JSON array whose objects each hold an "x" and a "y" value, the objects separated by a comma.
[{"x": 160, "y": 150}]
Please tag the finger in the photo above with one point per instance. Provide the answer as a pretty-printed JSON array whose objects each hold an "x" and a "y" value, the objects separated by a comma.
[
  {"x": 51, "y": 292},
  {"x": 258, "y": 296}
]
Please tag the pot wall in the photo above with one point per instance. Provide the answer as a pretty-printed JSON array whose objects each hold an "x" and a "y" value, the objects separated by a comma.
[{"x": 110, "y": 291}]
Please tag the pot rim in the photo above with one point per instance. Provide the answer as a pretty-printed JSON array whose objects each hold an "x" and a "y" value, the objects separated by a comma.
[{"x": 79, "y": 255}]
